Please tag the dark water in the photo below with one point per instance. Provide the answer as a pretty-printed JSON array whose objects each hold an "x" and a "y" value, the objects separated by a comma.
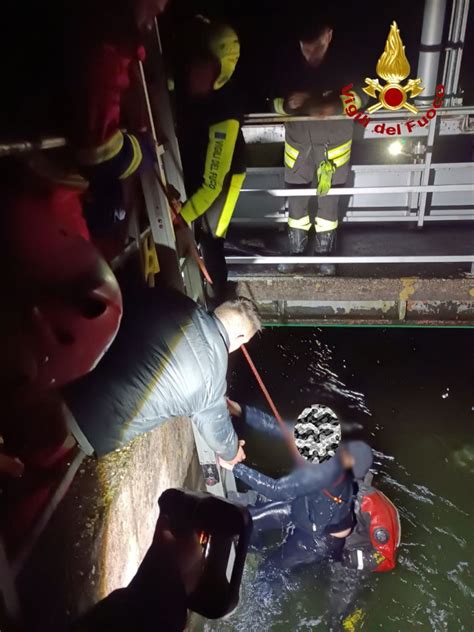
[{"x": 412, "y": 391}]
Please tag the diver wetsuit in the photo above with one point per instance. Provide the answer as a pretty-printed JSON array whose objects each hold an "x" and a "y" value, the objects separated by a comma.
[{"x": 312, "y": 502}]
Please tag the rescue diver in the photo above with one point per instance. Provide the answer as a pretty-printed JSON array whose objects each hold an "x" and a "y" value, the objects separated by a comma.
[
  {"x": 315, "y": 503},
  {"x": 168, "y": 360},
  {"x": 209, "y": 118},
  {"x": 309, "y": 75}
]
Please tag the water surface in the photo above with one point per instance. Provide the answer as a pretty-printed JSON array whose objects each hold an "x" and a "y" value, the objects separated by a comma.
[{"x": 412, "y": 392}]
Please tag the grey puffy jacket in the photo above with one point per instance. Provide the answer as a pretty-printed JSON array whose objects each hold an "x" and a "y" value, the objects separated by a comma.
[{"x": 169, "y": 359}]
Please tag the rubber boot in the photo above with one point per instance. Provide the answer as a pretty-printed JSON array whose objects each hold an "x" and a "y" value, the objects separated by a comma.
[
  {"x": 324, "y": 245},
  {"x": 297, "y": 240}
]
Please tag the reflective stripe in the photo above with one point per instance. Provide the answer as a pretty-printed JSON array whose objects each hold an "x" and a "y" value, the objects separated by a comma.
[
  {"x": 278, "y": 103},
  {"x": 341, "y": 154},
  {"x": 341, "y": 160},
  {"x": 335, "y": 152},
  {"x": 229, "y": 206},
  {"x": 291, "y": 155},
  {"x": 220, "y": 151},
  {"x": 107, "y": 151},
  {"x": 324, "y": 225},
  {"x": 289, "y": 161},
  {"x": 303, "y": 223},
  {"x": 360, "y": 560},
  {"x": 136, "y": 159},
  {"x": 291, "y": 151}
]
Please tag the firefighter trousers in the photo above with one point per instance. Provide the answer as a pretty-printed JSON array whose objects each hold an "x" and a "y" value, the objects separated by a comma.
[{"x": 307, "y": 144}]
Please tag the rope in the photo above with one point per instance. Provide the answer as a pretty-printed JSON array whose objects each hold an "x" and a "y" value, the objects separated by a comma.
[
  {"x": 286, "y": 433},
  {"x": 193, "y": 247}
]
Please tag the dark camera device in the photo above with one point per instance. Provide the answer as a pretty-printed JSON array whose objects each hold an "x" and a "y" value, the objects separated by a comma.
[{"x": 222, "y": 530}]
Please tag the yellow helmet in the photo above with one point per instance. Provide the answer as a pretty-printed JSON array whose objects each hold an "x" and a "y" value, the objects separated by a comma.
[{"x": 225, "y": 45}]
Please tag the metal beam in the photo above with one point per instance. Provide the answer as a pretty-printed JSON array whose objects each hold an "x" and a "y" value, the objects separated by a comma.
[
  {"x": 259, "y": 260},
  {"x": 45, "y": 517},
  {"x": 348, "y": 301},
  {"x": 432, "y": 188},
  {"x": 458, "y": 215},
  {"x": 26, "y": 146},
  {"x": 452, "y": 122},
  {"x": 266, "y": 118},
  {"x": 425, "y": 178}
]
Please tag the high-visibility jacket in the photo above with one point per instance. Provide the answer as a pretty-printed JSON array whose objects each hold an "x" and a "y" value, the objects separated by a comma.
[
  {"x": 212, "y": 150},
  {"x": 104, "y": 45},
  {"x": 214, "y": 167}
]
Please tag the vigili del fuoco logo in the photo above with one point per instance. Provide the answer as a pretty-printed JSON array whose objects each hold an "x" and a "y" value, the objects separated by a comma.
[{"x": 393, "y": 67}]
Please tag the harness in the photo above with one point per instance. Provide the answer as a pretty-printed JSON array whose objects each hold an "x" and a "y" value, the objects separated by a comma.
[{"x": 337, "y": 499}]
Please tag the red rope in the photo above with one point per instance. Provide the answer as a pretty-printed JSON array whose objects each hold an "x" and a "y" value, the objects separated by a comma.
[
  {"x": 194, "y": 250},
  {"x": 286, "y": 433}
]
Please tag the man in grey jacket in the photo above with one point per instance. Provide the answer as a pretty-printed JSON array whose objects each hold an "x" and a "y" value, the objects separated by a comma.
[{"x": 168, "y": 360}]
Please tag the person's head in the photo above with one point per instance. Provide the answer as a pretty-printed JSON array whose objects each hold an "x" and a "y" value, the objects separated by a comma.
[
  {"x": 317, "y": 433},
  {"x": 356, "y": 456},
  {"x": 315, "y": 36},
  {"x": 240, "y": 319},
  {"x": 214, "y": 59}
]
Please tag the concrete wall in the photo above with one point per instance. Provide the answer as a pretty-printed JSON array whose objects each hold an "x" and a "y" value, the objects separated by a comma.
[{"x": 104, "y": 526}]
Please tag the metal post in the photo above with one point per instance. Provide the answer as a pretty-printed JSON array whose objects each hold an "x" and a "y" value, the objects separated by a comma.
[
  {"x": 455, "y": 99},
  {"x": 425, "y": 180},
  {"x": 454, "y": 51},
  {"x": 430, "y": 48},
  {"x": 217, "y": 480}
]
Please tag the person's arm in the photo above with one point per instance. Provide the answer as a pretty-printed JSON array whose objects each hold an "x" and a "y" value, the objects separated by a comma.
[
  {"x": 263, "y": 422},
  {"x": 317, "y": 104},
  {"x": 220, "y": 152},
  {"x": 216, "y": 428},
  {"x": 304, "y": 480}
]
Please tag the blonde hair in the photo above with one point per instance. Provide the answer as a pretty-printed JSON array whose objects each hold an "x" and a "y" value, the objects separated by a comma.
[{"x": 243, "y": 308}]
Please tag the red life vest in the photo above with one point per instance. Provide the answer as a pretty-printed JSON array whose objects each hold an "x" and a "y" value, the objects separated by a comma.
[{"x": 375, "y": 540}]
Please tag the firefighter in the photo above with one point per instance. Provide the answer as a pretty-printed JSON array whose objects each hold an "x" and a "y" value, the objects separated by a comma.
[
  {"x": 209, "y": 132},
  {"x": 317, "y": 153}
]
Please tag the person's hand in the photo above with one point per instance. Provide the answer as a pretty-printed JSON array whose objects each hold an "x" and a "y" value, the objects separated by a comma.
[
  {"x": 297, "y": 99},
  {"x": 174, "y": 199},
  {"x": 323, "y": 110},
  {"x": 225, "y": 464},
  {"x": 11, "y": 466},
  {"x": 240, "y": 456},
  {"x": 234, "y": 408}
]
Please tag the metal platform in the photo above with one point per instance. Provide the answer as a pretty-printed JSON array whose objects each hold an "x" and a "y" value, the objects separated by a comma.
[
  {"x": 406, "y": 301},
  {"x": 379, "y": 280}
]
